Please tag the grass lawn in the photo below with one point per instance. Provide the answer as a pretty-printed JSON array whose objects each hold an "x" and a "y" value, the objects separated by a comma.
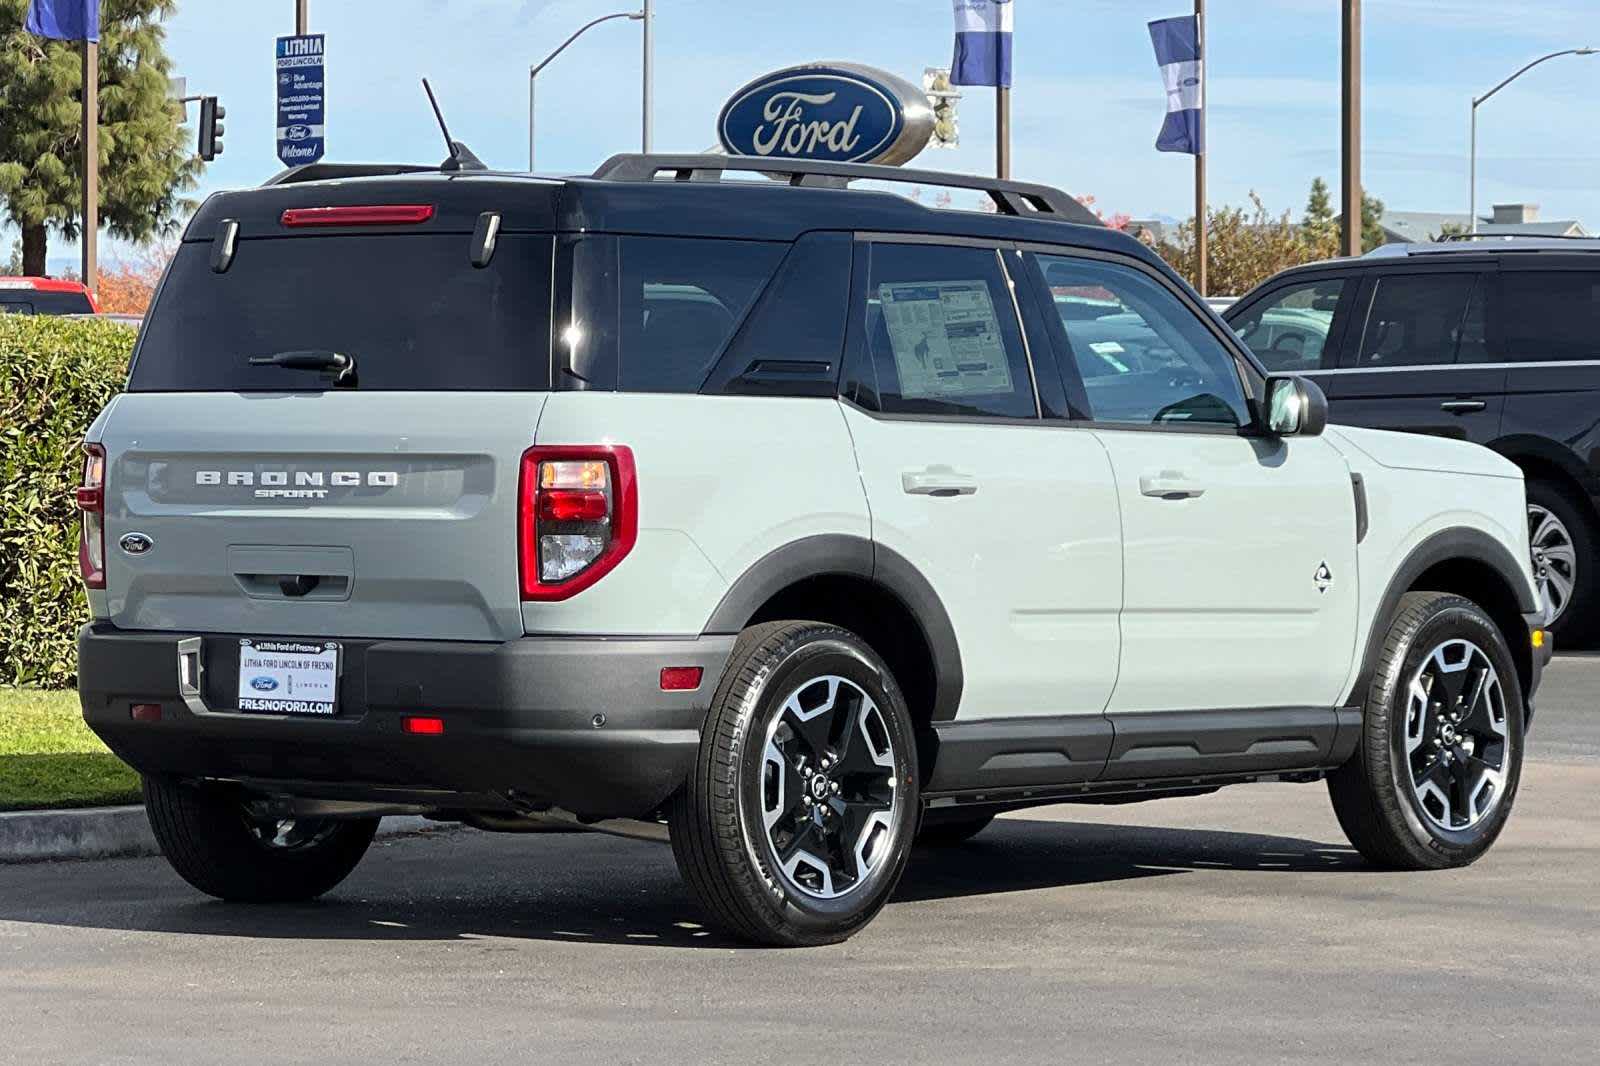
[{"x": 48, "y": 757}]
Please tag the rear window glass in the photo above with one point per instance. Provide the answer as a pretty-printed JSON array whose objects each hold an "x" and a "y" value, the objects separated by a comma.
[
  {"x": 37, "y": 302},
  {"x": 411, "y": 310}
]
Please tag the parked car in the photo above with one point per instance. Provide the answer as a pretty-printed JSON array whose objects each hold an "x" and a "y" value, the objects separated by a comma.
[
  {"x": 790, "y": 522},
  {"x": 1497, "y": 343},
  {"x": 45, "y": 296}
]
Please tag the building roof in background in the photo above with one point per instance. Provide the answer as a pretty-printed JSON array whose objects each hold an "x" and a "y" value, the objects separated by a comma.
[
  {"x": 1507, "y": 220},
  {"x": 1413, "y": 227}
]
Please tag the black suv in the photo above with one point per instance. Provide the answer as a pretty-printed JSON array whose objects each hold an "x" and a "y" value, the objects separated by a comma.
[{"x": 1495, "y": 342}]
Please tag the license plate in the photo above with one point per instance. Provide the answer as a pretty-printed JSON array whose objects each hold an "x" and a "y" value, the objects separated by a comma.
[{"x": 289, "y": 677}]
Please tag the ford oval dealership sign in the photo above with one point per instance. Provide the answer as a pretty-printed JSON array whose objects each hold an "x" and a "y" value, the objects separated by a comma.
[{"x": 837, "y": 112}]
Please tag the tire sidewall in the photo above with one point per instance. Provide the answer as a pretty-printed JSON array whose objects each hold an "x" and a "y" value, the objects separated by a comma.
[
  {"x": 839, "y": 654},
  {"x": 1458, "y": 620}
]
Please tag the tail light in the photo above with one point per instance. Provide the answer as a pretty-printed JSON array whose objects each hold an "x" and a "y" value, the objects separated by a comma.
[
  {"x": 578, "y": 516},
  {"x": 92, "y": 532}
]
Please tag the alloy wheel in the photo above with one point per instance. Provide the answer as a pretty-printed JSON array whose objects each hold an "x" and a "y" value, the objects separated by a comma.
[
  {"x": 1458, "y": 747},
  {"x": 828, "y": 799},
  {"x": 1555, "y": 560},
  {"x": 289, "y": 834}
]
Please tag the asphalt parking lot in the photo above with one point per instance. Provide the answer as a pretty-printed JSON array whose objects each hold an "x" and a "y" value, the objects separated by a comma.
[{"x": 1231, "y": 928}]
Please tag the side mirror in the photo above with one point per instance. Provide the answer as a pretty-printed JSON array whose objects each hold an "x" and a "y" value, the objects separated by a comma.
[{"x": 1296, "y": 407}]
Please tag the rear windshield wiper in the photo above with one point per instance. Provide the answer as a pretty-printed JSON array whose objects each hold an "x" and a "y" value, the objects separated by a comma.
[{"x": 343, "y": 366}]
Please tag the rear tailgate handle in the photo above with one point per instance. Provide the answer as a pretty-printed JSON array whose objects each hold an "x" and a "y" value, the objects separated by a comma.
[
  {"x": 1462, "y": 407},
  {"x": 1170, "y": 485},
  {"x": 938, "y": 481}
]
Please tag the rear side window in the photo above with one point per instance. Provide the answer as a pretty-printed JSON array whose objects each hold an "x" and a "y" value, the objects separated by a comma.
[
  {"x": 1424, "y": 320},
  {"x": 942, "y": 335},
  {"x": 652, "y": 314},
  {"x": 1289, "y": 328},
  {"x": 1551, "y": 315},
  {"x": 410, "y": 309}
]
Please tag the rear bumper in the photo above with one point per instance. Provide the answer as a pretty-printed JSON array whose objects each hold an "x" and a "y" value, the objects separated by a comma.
[{"x": 576, "y": 723}]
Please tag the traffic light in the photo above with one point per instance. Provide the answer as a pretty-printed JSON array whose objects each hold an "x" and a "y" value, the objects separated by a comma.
[{"x": 211, "y": 116}]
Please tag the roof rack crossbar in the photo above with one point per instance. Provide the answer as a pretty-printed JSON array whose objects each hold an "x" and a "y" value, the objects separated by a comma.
[{"x": 1019, "y": 199}]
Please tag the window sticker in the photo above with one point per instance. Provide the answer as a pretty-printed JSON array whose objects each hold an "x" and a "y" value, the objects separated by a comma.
[{"x": 946, "y": 339}]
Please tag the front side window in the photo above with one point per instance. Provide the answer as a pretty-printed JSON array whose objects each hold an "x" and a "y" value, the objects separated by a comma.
[
  {"x": 1145, "y": 357},
  {"x": 1288, "y": 330},
  {"x": 942, "y": 335},
  {"x": 1551, "y": 315},
  {"x": 1423, "y": 320}
]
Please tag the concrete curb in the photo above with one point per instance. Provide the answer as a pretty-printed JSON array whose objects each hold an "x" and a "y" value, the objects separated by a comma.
[{"x": 114, "y": 832}]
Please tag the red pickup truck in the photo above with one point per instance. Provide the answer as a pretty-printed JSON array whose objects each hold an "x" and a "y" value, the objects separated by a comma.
[{"x": 45, "y": 296}]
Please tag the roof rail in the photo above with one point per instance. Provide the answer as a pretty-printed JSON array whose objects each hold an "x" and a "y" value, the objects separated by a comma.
[
  {"x": 1019, "y": 199},
  {"x": 329, "y": 171},
  {"x": 1452, "y": 238}
]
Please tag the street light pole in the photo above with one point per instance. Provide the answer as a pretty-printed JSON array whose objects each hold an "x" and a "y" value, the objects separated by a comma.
[
  {"x": 300, "y": 18},
  {"x": 533, "y": 71},
  {"x": 648, "y": 75},
  {"x": 1472, "y": 150}
]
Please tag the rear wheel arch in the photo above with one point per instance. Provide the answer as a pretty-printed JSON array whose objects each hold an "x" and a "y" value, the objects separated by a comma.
[
  {"x": 1468, "y": 563},
  {"x": 870, "y": 590}
]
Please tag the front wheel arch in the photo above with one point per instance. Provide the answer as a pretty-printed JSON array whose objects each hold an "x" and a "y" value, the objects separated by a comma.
[{"x": 1471, "y": 564}]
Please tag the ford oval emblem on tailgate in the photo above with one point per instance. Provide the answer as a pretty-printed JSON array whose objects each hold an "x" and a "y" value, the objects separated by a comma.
[{"x": 136, "y": 543}]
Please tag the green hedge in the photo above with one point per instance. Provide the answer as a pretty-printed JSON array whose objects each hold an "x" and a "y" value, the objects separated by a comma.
[{"x": 55, "y": 376}]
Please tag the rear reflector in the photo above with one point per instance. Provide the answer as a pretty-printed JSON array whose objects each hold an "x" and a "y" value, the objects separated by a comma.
[
  {"x": 365, "y": 215},
  {"x": 421, "y": 726},
  {"x": 145, "y": 712},
  {"x": 680, "y": 678}
]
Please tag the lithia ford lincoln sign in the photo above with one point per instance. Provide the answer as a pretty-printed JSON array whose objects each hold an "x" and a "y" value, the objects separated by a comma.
[{"x": 837, "y": 112}]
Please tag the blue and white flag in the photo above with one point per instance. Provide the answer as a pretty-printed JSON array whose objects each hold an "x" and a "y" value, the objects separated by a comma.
[
  {"x": 983, "y": 43},
  {"x": 64, "y": 20},
  {"x": 1177, "y": 42}
]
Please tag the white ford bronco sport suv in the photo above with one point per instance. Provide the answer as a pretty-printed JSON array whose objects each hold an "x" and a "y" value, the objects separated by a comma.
[{"x": 792, "y": 522}]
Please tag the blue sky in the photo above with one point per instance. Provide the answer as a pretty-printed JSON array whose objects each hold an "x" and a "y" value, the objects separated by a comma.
[{"x": 1087, "y": 104}]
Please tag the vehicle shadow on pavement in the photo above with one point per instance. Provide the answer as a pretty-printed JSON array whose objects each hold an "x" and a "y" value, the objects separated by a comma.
[{"x": 467, "y": 886}]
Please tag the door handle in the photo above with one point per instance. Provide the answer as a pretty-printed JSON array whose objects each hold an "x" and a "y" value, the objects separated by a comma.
[
  {"x": 1170, "y": 485},
  {"x": 1462, "y": 407},
  {"x": 938, "y": 481}
]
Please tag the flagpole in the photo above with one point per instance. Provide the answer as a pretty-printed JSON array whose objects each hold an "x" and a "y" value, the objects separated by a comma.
[
  {"x": 1002, "y": 112},
  {"x": 91, "y": 164},
  {"x": 1200, "y": 220}
]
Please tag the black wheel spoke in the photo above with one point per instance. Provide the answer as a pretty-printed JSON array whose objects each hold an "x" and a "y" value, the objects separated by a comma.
[
  {"x": 807, "y": 837},
  {"x": 1478, "y": 718}
]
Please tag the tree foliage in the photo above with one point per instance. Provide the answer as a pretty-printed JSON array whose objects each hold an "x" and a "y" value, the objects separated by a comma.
[
  {"x": 127, "y": 287},
  {"x": 145, "y": 161},
  {"x": 1246, "y": 246}
]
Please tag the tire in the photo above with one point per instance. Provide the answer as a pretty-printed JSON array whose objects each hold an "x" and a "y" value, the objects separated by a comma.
[
  {"x": 209, "y": 840},
  {"x": 1563, "y": 538},
  {"x": 947, "y": 832},
  {"x": 794, "y": 770},
  {"x": 1416, "y": 795}
]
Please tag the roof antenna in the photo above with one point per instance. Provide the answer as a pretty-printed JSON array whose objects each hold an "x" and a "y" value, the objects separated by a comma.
[{"x": 461, "y": 157}]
